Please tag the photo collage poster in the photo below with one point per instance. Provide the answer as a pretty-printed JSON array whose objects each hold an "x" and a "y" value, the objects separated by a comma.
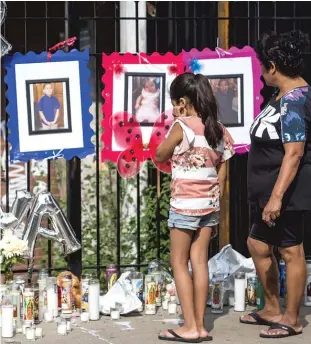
[{"x": 49, "y": 100}]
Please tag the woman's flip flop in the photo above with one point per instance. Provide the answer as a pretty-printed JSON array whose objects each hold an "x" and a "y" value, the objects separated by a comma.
[
  {"x": 207, "y": 339},
  {"x": 276, "y": 326},
  {"x": 258, "y": 318},
  {"x": 177, "y": 338}
]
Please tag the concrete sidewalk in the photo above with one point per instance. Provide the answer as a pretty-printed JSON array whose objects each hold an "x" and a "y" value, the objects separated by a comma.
[{"x": 144, "y": 329}]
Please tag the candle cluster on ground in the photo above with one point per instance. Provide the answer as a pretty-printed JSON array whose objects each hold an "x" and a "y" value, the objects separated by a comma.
[{"x": 23, "y": 306}]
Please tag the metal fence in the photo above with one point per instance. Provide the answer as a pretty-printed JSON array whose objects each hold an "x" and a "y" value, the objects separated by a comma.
[{"x": 171, "y": 26}]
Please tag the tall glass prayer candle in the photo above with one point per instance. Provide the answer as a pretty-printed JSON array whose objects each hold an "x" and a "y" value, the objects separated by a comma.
[
  {"x": 43, "y": 302},
  {"x": 94, "y": 299},
  {"x": 7, "y": 317},
  {"x": 16, "y": 295},
  {"x": 239, "y": 292},
  {"x": 3, "y": 291},
  {"x": 52, "y": 295},
  {"x": 28, "y": 304},
  {"x": 66, "y": 294}
]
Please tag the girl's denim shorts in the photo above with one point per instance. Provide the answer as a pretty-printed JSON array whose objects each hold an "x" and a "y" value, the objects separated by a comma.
[{"x": 193, "y": 222}]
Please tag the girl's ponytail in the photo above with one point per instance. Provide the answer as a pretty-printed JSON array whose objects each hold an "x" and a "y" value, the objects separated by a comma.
[
  {"x": 206, "y": 106},
  {"x": 199, "y": 92}
]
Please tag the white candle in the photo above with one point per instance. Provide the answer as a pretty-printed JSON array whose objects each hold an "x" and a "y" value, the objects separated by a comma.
[
  {"x": 239, "y": 293},
  {"x": 94, "y": 300},
  {"x": 31, "y": 333},
  {"x": 62, "y": 329},
  {"x": 25, "y": 326},
  {"x": 165, "y": 304},
  {"x": 39, "y": 332},
  {"x": 85, "y": 317},
  {"x": 52, "y": 298},
  {"x": 68, "y": 323},
  {"x": 7, "y": 321},
  {"x": 19, "y": 330},
  {"x": 48, "y": 317},
  {"x": 231, "y": 298},
  {"x": 115, "y": 314},
  {"x": 42, "y": 298},
  {"x": 172, "y": 308}
]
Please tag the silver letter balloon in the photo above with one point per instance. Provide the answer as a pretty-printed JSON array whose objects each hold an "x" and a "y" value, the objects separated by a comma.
[
  {"x": 45, "y": 205},
  {"x": 5, "y": 45},
  {"x": 12, "y": 220}
]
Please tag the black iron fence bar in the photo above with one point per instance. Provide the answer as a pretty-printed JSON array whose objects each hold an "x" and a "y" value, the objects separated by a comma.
[
  {"x": 73, "y": 166},
  {"x": 171, "y": 18},
  {"x": 248, "y": 25},
  {"x": 118, "y": 220},
  {"x": 138, "y": 218},
  {"x": 294, "y": 15},
  {"x": 138, "y": 175},
  {"x": 97, "y": 152},
  {"x": 274, "y": 15},
  {"x": 92, "y": 267}
]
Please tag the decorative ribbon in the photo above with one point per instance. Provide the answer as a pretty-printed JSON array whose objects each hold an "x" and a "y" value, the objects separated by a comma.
[
  {"x": 221, "y": 52},
  {"x": 246, "y": 146},
  {"x": 56, "y": 155},
  {"x": 67, "y": 43}
]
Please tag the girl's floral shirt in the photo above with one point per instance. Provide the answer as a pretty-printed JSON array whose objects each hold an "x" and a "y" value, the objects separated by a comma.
[{"x": 195, "y": 187}]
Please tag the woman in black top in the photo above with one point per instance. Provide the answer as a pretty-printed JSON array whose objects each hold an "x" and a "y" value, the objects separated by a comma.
[{"x": 279, "y": 181}]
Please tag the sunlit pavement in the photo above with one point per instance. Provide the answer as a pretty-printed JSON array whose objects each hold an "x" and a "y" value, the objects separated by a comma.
[{"x": 142, "y": 329}]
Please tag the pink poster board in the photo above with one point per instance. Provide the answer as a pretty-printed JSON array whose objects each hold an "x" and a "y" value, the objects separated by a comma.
[
  {"x": 235, "y": 76},
  {"x": 137, "y": 110}
]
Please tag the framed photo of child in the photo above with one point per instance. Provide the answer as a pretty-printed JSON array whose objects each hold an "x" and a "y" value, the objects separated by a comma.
[
  {"x": 228, "y": 91},
  {"x": 145, "y": 97},
  {"x": 136, "y": 91},
  {"x": 48, "y": 105}
]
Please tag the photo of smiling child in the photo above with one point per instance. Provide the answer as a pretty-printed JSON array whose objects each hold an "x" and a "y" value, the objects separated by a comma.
[{"x": 48, "y": 106}]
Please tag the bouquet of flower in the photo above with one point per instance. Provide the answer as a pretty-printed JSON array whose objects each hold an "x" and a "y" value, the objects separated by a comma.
[{"x": 12, "y": 250}]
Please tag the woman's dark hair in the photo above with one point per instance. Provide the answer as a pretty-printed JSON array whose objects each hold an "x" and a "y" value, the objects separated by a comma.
[
  {"x": 285, "y": 50},
  {"x": 197, "y": 89}
]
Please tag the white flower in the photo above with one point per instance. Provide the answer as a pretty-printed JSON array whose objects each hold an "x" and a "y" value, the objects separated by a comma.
[{"x": 10, "y": 245}]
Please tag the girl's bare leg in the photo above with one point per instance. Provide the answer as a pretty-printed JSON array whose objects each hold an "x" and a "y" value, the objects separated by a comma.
[
  {"x": 199, "y": 264},
  {"x": 180, "y": 251}
]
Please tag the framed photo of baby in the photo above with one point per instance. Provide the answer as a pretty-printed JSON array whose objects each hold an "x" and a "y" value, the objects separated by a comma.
[
  {"x": 48, "y": 106},
  {"x": 145, "y": 96}
]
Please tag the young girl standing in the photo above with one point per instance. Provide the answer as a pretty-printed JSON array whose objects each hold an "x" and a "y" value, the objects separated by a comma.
[{"x": 198, "y": 145}]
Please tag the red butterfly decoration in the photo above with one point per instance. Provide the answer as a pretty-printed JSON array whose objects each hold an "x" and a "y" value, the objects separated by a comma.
[{"x": 128, "y": 136}]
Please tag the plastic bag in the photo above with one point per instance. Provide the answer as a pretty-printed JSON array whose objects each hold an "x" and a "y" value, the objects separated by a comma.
[
  {"x": 228, "y": 262},
  {"x": 121, "y": 292}
]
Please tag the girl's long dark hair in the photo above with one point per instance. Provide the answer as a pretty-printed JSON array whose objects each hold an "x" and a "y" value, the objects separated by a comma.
[{"x": 197, "y": 89}]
